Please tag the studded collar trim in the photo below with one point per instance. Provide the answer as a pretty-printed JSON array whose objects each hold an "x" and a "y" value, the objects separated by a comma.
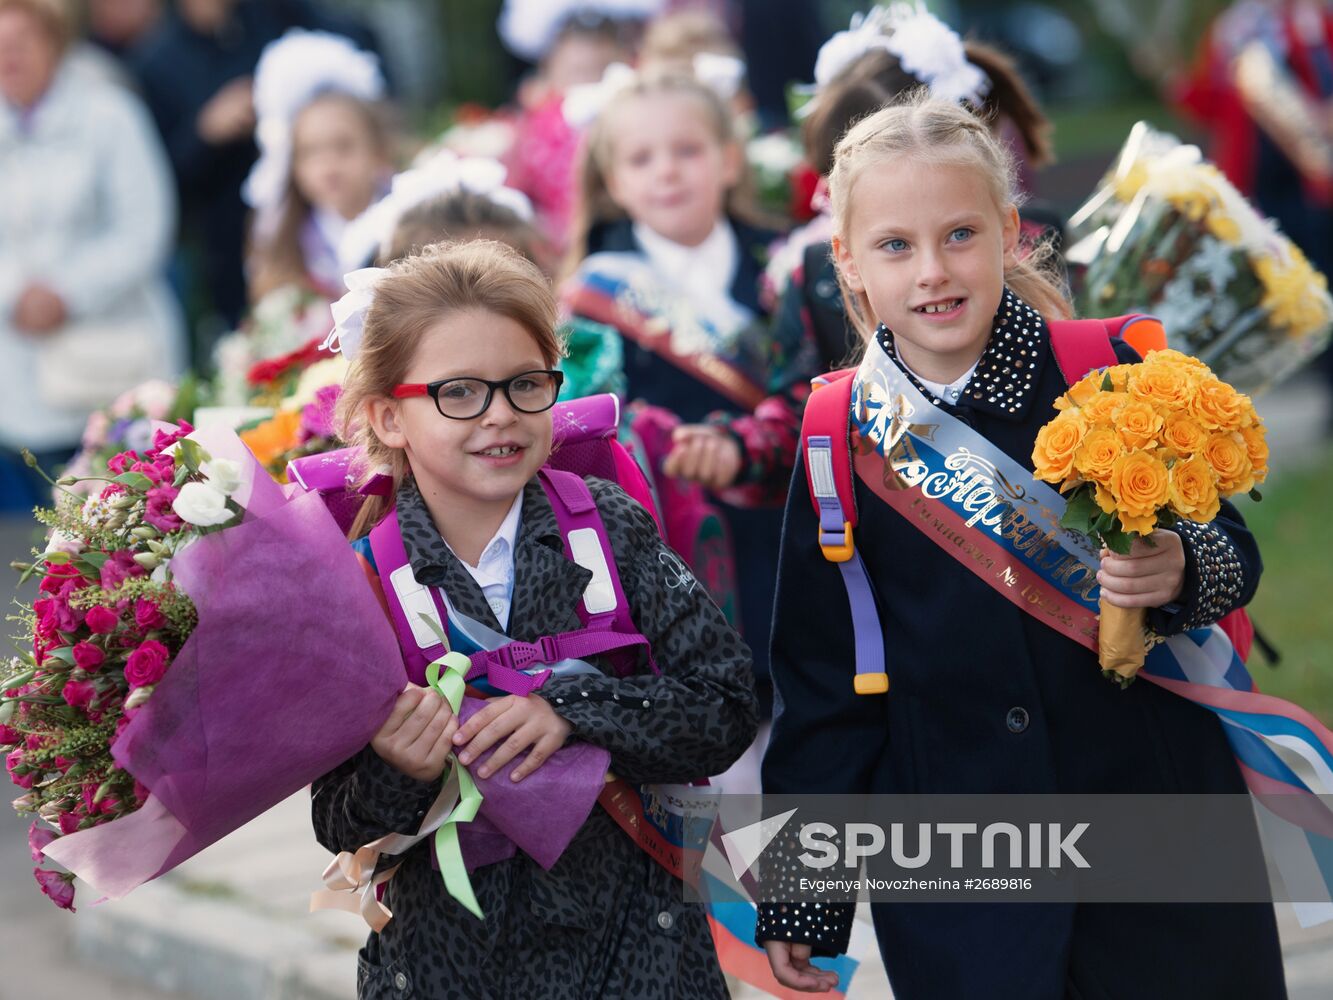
[{"x": 1007, "y": 370}]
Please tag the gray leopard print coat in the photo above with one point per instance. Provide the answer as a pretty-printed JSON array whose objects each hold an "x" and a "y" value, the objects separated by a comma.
[{"x": 606, "y": 920}]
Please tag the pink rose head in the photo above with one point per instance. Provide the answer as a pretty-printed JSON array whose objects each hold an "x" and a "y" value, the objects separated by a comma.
[
  {"x": 101, "y": 620},
  {"x": 94, "y": 431},
  {"x": 58, "y": 886},
  {"x": 13, "y": 763},
  {"x": 147, "y": 664},
  {"x": 122, "y": 462},
  {"x": 38, "y": 837},
  {"x": 166, "y": 438},
  {"x": 9, "y": 737},
  {"x": 88, "y": 656},
  {"x": 79, "y": 694},
  {"x": 119, "y": 568},
  {"x": 147, "y": 615},
  {"x": 158, "y": 510},
  {"x": 69, "y": 823},
  {"x": 54, "y": 614}
]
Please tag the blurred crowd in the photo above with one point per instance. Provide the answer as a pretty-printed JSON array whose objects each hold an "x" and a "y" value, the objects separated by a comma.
[{"x": 170, "y": 172}]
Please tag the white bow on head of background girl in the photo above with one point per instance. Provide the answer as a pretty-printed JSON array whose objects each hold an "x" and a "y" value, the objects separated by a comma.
[
  {"x": 924, "y": 46},
  {"x": 443, "y": 173},
  {"x": 292, "y": 72},
  {"x": 582, "y": 105},
  {"x": 349, "y": 312},
  {"x": 529, "y": 28}
]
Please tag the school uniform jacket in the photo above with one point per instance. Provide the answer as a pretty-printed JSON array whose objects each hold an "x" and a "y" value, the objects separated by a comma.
[
  {"x": 986, "y": 699},
  {"x": 656, "y": 381},
  {"x": 606, "y": 920}
]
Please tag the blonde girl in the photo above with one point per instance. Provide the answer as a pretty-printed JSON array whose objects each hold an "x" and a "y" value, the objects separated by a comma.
[{"x": 983, "y": 696}]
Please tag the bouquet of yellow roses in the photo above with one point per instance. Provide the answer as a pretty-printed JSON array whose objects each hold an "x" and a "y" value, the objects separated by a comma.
[
  {"x": 1136, "y": 447},
  {"x": 1167, "y": 233}
]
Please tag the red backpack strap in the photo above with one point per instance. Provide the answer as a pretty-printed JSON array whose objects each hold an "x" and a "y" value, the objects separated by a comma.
[
  {"x": 825, "y": 442},
  {"x": 1081, "y": 345},
  {"x": 828, "y": 462}
]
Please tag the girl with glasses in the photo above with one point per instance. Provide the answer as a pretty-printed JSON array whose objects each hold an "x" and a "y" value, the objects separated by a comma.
[{"x": 451, "y": 390}]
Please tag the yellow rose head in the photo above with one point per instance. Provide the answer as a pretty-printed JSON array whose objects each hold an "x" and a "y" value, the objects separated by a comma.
[
  {"x": 1081, "y": 391},
  {"x": 1142, "y": 524},
  {"x": 1256, "y": 447},
  {"x": 1166, "y": 386},
  {"x": 1101, "y": 409},
  {"x": 1170, "y": 356},
  {"x": 1194, "y": 490},
  {"x": 1141, "y": 483},
  {"x": 1119, "y": 376},
  {"x": 1097, "y": 454},
  {"x": 1139, "y": 423},
  {"x": 1057, "y": 442},
  {"x": 1105, "y": 498},
  {"x": 1182, "y": 433},
  {"x": 1230, "y": 460},
  {"x": 1217, "y": 406}
]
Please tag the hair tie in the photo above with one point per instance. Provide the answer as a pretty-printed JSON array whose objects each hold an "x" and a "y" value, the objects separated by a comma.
[{"x": 349, "y": 312}]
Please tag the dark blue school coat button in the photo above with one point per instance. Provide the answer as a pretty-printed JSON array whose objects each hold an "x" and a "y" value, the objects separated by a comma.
[{"x": 1017, "y": 720}]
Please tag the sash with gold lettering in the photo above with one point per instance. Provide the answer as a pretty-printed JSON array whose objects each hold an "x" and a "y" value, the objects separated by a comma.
[
  {"x": 990, "y": 513},
  {"x": 705, "y": 336}
]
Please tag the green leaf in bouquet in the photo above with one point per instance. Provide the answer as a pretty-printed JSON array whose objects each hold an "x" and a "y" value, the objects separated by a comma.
[
  {"x": 1081, "y": 511},
  {"x": 1105, "y": 522},
  {"x": 95, "y": 560},
  {"x": 190, "y": 454},
  {"x": 1255, "y": 495},
  {"x": 135, "y": 481},
  {"x": 1107, "y": 386},
  {"x": 1118, "y": 541},
  {"x": 65, "y": 654},
  {"x": 56, "y": 558}
]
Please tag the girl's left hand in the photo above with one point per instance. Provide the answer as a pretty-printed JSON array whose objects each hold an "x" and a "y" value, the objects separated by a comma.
[
  {"x": 521, "y": 723},
  {"x": 1150, "y": 576},
  {"x": 704, "y": 455}
]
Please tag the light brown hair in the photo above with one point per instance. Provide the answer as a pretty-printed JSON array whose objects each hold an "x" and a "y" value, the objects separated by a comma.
[
  {"x": 594, "y": 205},
  {"x": 419, "y": 291},
  {"x": 673, "y": 40},
  {"x": 276, "y": 258},
  {"x": 877, "y": 78},
  {"x": 938, "y": 132}
]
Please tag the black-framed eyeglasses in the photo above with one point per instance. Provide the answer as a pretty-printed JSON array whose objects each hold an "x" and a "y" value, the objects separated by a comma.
[{"x": 468, "y": 398}]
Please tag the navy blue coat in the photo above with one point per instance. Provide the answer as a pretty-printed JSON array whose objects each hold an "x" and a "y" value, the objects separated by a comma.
[{"x": 986, "y": 699}]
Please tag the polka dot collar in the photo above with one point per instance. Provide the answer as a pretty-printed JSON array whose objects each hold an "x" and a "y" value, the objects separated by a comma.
[{"x": 1007, "y": 370}]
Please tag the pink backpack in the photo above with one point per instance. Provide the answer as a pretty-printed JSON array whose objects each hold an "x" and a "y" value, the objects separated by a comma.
[{"x": 584, "y": 444}]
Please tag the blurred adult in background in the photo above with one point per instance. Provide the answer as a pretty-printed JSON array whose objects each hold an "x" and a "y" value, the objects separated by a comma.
[
  {"x": 86, "y": 223},
  {"x": 196, "y": 68},
  {"x": 117, "y": 26}
]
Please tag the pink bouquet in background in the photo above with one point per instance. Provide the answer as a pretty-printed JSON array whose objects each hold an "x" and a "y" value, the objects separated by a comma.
[{"x": 203, "y": 647}]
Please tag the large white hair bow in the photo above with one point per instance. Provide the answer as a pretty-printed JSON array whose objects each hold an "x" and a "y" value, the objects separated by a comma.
[
  {"x": 444, "y": 173},
  {"x": 529, "y": 27},
  {"x": 924, "y": 45},
  {"x": 291, "y": 73}
]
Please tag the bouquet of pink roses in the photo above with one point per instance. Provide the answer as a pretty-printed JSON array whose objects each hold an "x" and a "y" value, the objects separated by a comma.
[{"x": 202, "y": 648}]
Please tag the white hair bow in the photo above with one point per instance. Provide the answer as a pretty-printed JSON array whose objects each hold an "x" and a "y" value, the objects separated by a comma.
[
  {"x": 442, "y": 174},
  {"x": 720, "y": 73},
  {"x": 529, "y": 27},
  {"x": 349, "y": 312},
  {"x": 291, "y": 73},
  {"x": 584, "y": 102},
  {"x": 924, "y": 45}
]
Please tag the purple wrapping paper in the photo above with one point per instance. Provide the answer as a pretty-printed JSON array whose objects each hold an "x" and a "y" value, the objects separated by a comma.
[
  {"x": 291, "y": 670},
  {"x": 541, "y": 813}
]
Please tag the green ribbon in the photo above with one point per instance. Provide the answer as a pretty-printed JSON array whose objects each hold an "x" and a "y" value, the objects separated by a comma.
[{"x": 447, "y": 849}]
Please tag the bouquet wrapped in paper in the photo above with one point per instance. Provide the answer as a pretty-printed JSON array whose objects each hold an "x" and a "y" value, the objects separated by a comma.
[
  {"x": 1136, "y": 447},
  {"x": 205, "y": 645},
  {"x": 1168, "y": 234}
]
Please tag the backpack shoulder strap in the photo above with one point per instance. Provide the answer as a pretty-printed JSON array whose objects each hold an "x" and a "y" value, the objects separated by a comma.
[
  {"x": 407, "y": 600},
  {"x": 828, "y": 467},
  {"x": 1079, "y": 346},
  {"x": 828, "y": 462},
  {"x": 603, "y": 606}
]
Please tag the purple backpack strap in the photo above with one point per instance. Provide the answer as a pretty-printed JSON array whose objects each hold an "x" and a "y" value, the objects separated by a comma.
[
  {"x": 408, "y": 600},
  {"x": 603, "y": 607}
]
